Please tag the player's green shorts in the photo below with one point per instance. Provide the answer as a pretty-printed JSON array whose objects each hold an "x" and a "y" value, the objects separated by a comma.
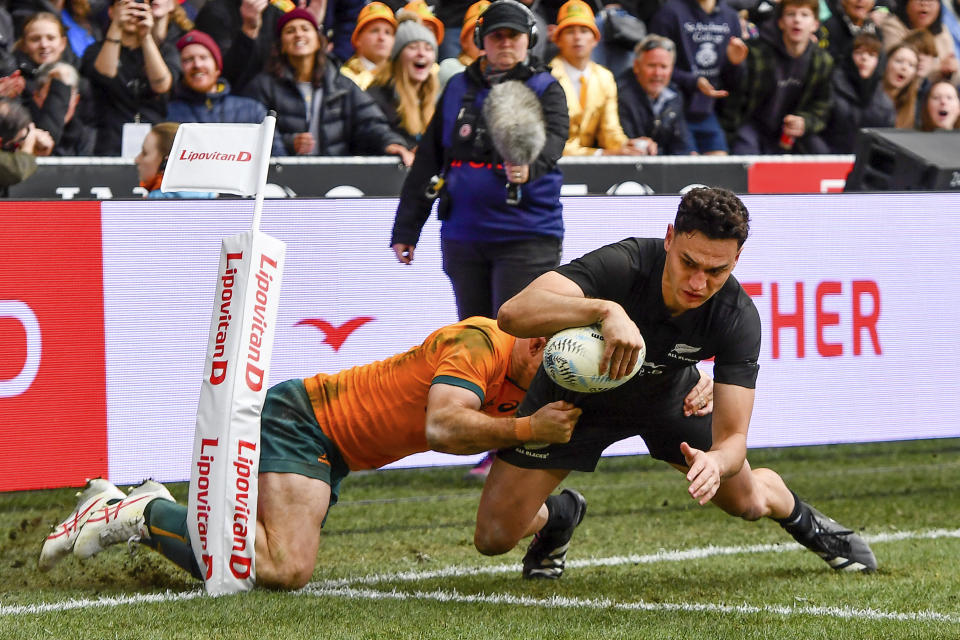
[{"x": 291, "y": 440}]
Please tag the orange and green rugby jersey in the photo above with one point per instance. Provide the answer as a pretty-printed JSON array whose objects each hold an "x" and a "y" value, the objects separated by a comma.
[{"x": 376, "y": 413}]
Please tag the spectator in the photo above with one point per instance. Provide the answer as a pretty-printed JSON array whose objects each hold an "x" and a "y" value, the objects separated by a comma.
[
  {"x": 941, "y": 110},
  {"x": 244, "y": 31},
  {"x": 20, "y": 143},
  {"x": 620, "y": 33},
  {"x": 83, "y": 29},
  {"x": 901, "y": 83},
  {"x": 152, "y": 160},
  {"x": 951, "y": 20},
  {"x": 543, "y": 49},
  {"x": 453, "y": 14},
  {"x": 406, "y": 88},
  {"x": 709, "y": 60},
  {"x": 469, "y": 51},
  {"x": 338, "y": 19},
  {"x": 7, "y": 62},
  {"x": 59, "y": 82},
  {"x": 922, "y": 14},
  {"x": 783, "y": 101},
  {"x": 651, "y": 110},
  {"x": 203, "y": 96},
  {"x": 590, "y": 88},
  {"x": 170, "y": 21},
  {"x": 838, "y": 32},
  {"x": 131, "y": 76},
  {"x": 373, "y": 41},
  {"x": 51, "y": 97},
  {"x": 319, "y": 112},
  {"x": 491, "y": 249},
  {"x": 858, "y": 97},
  {"x": 44, "y": 40},
  {"x": 926, "y": 47}
]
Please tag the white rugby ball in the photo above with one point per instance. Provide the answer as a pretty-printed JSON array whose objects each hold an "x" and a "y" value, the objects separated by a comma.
[{"x": 572, "y": 359}]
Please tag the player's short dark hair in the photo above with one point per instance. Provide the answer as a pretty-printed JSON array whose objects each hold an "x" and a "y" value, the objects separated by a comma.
[{"x": 716, "y": 213}]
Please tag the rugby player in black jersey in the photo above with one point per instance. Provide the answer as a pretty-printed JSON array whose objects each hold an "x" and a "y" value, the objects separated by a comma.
[{"x": 677, "y": 297}]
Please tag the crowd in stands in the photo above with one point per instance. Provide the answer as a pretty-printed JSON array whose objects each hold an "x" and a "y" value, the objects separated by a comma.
[{"x": 349, "y": 77}]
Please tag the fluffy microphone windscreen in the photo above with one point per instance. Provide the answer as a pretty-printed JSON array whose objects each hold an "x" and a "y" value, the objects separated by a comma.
[{"x": 514, "y": 118}]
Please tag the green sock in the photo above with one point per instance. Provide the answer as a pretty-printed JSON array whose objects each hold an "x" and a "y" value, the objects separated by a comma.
[{"x": 167, "y": 523}]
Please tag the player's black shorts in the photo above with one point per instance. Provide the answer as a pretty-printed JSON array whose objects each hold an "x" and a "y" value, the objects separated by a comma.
[
  {"x": 291, "y": 440},
  {"x": 611, "y": 416}
]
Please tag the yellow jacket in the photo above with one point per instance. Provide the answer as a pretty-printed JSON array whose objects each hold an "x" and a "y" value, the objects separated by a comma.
[
  {"x": 358, "y": 72},
  {"x": 596, "y": 125}
]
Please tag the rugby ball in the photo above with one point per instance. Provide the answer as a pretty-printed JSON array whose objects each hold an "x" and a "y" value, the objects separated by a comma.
[{"x": 572, "y": 359}]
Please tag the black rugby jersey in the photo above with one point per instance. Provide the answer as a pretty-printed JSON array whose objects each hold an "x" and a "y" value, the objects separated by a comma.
[{"x": 727, "y": 326}]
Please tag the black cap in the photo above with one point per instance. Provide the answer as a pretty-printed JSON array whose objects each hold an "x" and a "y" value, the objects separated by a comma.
[{"x": 505, "y": 14}]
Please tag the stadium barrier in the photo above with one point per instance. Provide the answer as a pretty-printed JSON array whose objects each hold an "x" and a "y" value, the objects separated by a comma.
[
  {"x": 105, "y": 307},
  {"x": 315, "y": 177}
]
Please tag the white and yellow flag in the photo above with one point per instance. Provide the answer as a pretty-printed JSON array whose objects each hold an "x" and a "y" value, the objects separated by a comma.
[{"x": 222, "y": 504}]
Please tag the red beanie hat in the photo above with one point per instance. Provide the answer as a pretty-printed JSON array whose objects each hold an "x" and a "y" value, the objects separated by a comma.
[
  {"x": 201, "y": 38},
  {"x": 295, "y": 14}
]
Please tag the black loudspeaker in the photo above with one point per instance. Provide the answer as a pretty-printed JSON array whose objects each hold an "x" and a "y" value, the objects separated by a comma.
[{"x": 903, "y": 160}]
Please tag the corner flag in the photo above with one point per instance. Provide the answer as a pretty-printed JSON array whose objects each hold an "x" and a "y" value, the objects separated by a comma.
[{"x": 222, "y": 504}]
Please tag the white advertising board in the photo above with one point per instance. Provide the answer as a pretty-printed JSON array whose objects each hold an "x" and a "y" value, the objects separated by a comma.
[{"x": 856, "y": 292}]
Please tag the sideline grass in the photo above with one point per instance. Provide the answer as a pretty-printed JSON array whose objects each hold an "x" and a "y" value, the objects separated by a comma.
[{"x": 421, "y": 521}]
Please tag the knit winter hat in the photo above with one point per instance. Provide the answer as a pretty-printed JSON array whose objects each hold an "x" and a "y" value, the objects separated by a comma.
[
  {"x": 411, "y": 30},
  {"x": 204, "y": 40},
  {"x": 296, "y": 14},
  {"x": 371, "y": 12},
  {"x": 420, "y": 8}
]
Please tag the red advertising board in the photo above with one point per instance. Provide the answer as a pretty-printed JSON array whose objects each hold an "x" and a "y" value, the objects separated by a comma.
[
  {"x": 52, "y": 364},
  {"x": 797, "y": 177}
]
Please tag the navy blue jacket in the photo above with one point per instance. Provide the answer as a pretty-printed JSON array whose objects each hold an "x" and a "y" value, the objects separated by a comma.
[
  {"x": 218, "y": 106},
  {"x": 701, "y": 41},
  {"x": 669, "y": 129},
  {"x": 473, "y": 206}
]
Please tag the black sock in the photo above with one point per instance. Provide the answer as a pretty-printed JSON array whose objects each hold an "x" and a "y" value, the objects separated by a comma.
[
  {"x": 561, "y": 512},
  {"x": 799, "y": 521},
  {"x": 167, "y": 523}
]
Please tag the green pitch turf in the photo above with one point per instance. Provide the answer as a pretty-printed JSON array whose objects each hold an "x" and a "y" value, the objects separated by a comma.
[{"x": 397, "y": 561}]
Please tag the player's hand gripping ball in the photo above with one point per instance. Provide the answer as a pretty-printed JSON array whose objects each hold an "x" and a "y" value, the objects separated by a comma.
[{"x": 572, "y": 360}]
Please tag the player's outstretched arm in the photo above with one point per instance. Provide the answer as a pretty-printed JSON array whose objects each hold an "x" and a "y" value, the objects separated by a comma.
[
  {"x": 456, "y": 425},
  {"x": 731, "y": 419}
]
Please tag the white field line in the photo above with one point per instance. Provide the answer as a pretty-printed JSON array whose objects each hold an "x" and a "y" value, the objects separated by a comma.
[
  {"x": 561, "y": 602},
  {"x": 660, "y": 556},
  {"x": 140, "y": 598},
  {"x": 344, "y": 587}
]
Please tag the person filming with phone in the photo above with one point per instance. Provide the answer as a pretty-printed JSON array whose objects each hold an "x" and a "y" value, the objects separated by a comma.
[{"x": 130, "y": 74}]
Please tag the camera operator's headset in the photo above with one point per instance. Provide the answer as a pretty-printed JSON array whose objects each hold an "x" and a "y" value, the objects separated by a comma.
[{"x": 531, "y": 23}]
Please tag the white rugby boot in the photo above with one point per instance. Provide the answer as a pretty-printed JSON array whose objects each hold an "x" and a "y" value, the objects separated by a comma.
[
  {"x": 60, "y": 542},
  {"x": 119, "y": 522}
]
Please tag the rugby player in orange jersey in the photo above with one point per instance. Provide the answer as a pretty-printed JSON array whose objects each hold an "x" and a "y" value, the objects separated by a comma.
[{"x": 454, "y": 393}]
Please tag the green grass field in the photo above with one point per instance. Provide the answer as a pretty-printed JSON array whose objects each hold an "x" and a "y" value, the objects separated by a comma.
[{"x": 397, "y": 561}]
